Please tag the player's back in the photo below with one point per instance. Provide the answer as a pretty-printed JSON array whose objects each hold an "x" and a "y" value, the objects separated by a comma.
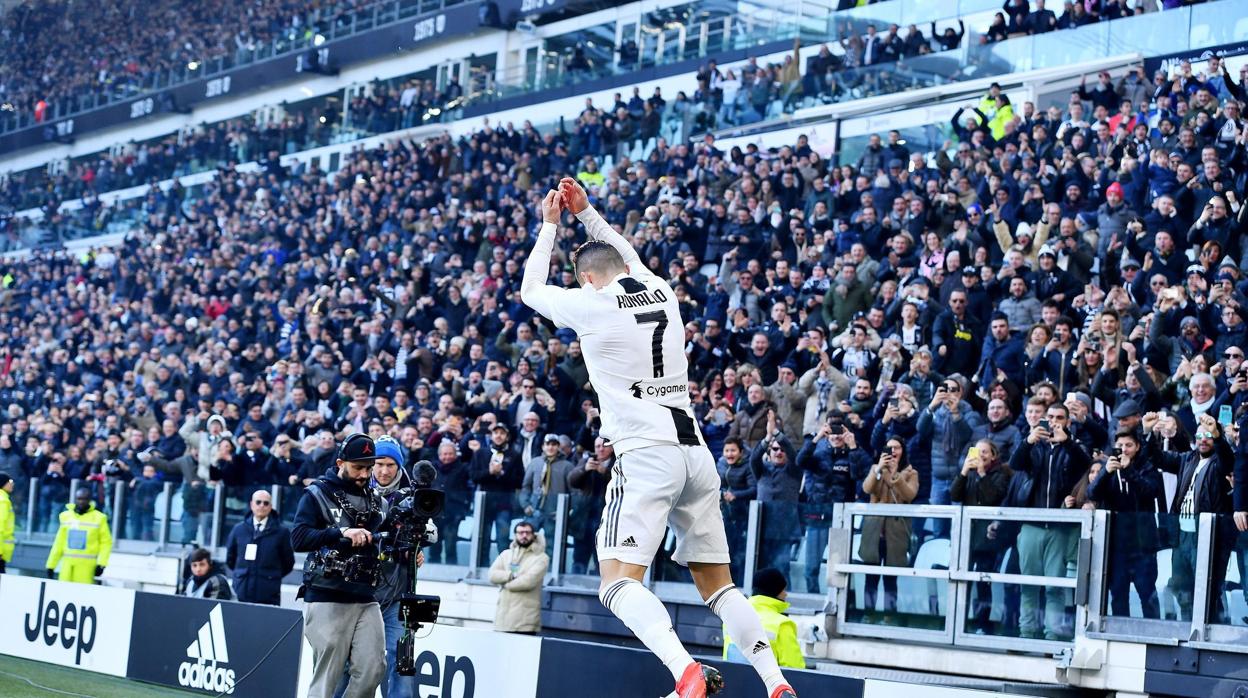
[{"x": 633, "y": 341}]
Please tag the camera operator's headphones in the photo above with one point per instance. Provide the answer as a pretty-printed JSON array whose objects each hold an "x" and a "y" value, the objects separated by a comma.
[{"x": 354, "y": 437}]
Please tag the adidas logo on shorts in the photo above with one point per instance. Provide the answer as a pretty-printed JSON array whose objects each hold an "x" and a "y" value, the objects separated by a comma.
[
  {"x": 629, "y": 543},
  {"x": 759, "y": 647}
]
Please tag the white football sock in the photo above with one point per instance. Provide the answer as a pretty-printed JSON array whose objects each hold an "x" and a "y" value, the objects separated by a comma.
[
  {"x": 747, "y": 632},
  {"x": 646, "y": 616}
]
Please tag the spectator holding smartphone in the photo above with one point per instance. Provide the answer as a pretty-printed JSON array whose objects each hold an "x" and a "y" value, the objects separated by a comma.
[
  {"x": 1053, "y": 463},
  {"x": 886, "y": 539}
]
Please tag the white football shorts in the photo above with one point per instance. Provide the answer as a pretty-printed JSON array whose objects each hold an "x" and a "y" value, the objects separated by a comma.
[{"x": 653, "y": 487}]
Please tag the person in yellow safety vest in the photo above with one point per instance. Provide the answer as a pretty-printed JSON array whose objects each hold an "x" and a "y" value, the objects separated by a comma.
[
  {"x": 768, "y": 602},
  {"x": 83, "y": 542},
  {"x": 7, "y": 522}
]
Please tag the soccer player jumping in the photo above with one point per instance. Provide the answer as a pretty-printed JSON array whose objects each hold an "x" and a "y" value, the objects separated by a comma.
[{"x": 632, "y": 338}]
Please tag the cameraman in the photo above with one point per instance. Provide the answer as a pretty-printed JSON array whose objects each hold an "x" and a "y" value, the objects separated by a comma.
[
  {"x": 392, "y": 483},
  {"x": 336, "y": 518}
]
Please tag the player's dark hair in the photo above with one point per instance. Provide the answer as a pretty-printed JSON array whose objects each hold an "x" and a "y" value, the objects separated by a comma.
[{"x": 598, "y": 257}]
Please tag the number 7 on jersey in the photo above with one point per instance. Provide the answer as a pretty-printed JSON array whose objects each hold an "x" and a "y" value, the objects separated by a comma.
[{"x": 656, "y": 341}]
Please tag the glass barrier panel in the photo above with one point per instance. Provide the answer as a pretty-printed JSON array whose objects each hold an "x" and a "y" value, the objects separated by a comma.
[
  {"x": 665, "y": 568},
  {"x": 581, "y": 528},
  {"x": 1021, "y": 610},
  {"x": 1147, "y": 573},
  {"x": 1217, "y": 23},
  {"x": 1144, "y": 33},
  {"x": 1033, "y": 548},
  {"x": 22, "y": 497},
  {"x": 889, "y": 599},
  {"x": 499, "y": 515},
  {"x": 779, "y": 543},
  {"x": 880, "y": 15},
  {"x": 454, "y": 531},
  {"x": 1227, "y": 603},
  {"x": 906, "y": 602},
  {"x": 967, "y": 7},
  {"x": 1001, "y": 57},
  {"x": 53, "y": 495},
  {"x": 1063, "y": 48}
]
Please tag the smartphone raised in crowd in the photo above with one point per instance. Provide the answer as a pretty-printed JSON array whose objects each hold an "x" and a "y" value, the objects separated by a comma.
[{"x": 1225, "y": 416}]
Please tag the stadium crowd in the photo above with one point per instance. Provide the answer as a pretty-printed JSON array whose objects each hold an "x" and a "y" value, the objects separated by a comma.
[
  {"x": 120, "y": 53},
  {"x": 1060, "y": 290}
]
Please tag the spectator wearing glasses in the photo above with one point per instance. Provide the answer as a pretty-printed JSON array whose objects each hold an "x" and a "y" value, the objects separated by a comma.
[
  {"x": 259, "y": 553},
  {"x": 1232, "y": 381},
  {"x": 1052, "y": 464},
  {"x": 958, "y": 337},
  {"x": 778, "y": 480},
  {"x": 947, "y": 425},
  {"x": 525, "y": 403}
]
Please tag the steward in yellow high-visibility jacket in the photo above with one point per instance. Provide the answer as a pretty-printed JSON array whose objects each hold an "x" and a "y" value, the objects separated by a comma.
[
  {"x": 7, "y": 522},
  {"x": 83, "y": 542},
  {"x": 770, "y": 606}
]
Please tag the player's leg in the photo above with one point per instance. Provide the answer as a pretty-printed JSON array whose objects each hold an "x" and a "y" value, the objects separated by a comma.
[
  {"x": 634, "y": 523},
  {"x": 702, "y": 545}
]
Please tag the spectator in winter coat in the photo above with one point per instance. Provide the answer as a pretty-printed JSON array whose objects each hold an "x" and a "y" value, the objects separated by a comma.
[
  {"x": 739, "y": 487},
  {"x": 886, "y": 539},
  {"x": 1130, "y": 485},
  {"x": 260, "y": 554},
  {"x": 1051, "y": 463},
  {"x": 778, "y": 477},
  {"x": 946, "y": 427},
  {"x": 999, "y": 429},
  {"x": 497, "y": 471},
  {"x": 545, "y": 478},
  {"x": 589, "y": 490},
  {"x": 519, "y": 571},
  {"x": 1020, "y": 307},
  {"x": 824, "y": 387},
  {"x": 750, "y": 425},
  {"x": 957, "y": 337},
  {"x": 834, "y": 464},
  {"x": 1002, "y": 354},
  {"x": 982, "y": 482}
]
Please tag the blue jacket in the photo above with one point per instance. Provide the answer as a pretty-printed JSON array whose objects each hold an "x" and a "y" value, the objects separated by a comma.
[
  {"x": 1007, "y": 356},
  {"x": 832, "y": 474},
  {"x": 948, "y": 438},
  {"x": 1055, "y": 367},
  {"x": 260, "y": 580}
]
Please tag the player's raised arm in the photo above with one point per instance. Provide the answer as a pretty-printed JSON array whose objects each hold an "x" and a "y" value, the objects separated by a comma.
[
  {"x": 533, "y": 289},
  {"x": 597, "y": 228}
]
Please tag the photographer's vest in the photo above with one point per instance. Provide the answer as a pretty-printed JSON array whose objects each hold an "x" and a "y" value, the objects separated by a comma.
[{"x": 362, "y": 511}]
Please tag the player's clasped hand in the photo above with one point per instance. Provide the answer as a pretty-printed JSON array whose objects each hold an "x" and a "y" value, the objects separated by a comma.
[{"x": 552, "y": 207}]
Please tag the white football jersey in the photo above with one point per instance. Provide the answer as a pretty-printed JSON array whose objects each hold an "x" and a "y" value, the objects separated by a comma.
[{"x": 632, "y": 338}]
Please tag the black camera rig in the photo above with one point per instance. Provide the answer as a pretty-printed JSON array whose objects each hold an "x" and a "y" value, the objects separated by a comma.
[{"x": 408, "y": 528}]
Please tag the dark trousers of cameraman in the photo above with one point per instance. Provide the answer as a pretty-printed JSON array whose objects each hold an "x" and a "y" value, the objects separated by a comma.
[{"x": 341, "y": 631}]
